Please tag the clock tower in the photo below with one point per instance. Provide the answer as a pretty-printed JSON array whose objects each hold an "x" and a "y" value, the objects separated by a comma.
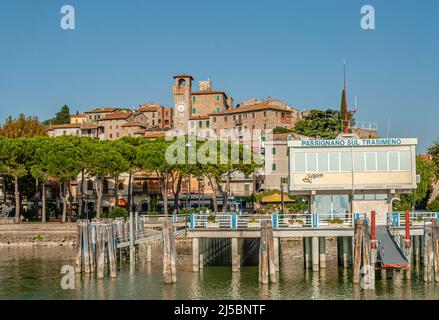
[{"x": 181, "y": 91}]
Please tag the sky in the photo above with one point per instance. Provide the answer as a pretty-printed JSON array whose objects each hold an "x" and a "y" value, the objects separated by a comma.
[{"x": 125, "y": 53}]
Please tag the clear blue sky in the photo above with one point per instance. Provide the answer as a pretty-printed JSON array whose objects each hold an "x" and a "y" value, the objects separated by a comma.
[{"x": 124, "y": 53}]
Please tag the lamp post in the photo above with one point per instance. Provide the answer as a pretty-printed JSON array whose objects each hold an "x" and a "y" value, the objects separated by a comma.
[{"x": 282, "y": 196}]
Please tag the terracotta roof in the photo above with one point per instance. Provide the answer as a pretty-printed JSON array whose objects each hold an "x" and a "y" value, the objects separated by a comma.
[
  {"x": 117, "y": 116},
  {"x": 200, "y": 118},
  {"x": 257, "y": 107},
  {"x": 78, "y": 116},
  {"x": 64, "y": 126},
  {"x": 159, "y": 134},
  {"x": 149, "y": 109},
  {"x": 195, "y": 93},
  {"x": 89, "y": 126},
  {"x": 101, "y": 110},
  {"x": 133, "y": 124}
]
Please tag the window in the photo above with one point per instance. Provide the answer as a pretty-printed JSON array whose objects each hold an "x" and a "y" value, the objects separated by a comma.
[
  {"x": 323, "y": 162},
  {"x": 214, "y": 119},
  {"x": 117, "y": 135},
  {"x": 265, "y": 113},
  {"x": 217, "y": 98},
  {"x": 218, "y": 109},
  {"x": 273, "y": 150},
  {"x": 153, "y": 122},
  {"x": 253, "y": 115},
  {"x": 194, "y": 110},
  {"x": 382, "y": 161},
  {"x": 334, "y": 161},
  {"x": 89, "y": 185},
  {"x": 393, "y": 161},
  {"x": 225, "y": 119},
  {"x": 273, "y": 167},
  {"x": 207, "y": 123},
  {"x": 345, "y": 162},
  {"x": 299, "y": 162},
  {"x": 311, "y": 162},
  {"x": 359, "y": 161},
  {"x": 194, "y": 98},
  {"x": 111, "y": 135},
  {"x": 371, "y": 161},
  {"x": 404, "y": 160},
  {"x": 120, "y": 186},
  {"x": 200, "y": 124}
]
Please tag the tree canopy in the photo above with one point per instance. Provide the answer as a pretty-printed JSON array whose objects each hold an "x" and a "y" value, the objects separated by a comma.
[
  {"x": 61, "y": 117},
  {"x": 22, "y": 127},
  {"x": 324, "y": 124}
]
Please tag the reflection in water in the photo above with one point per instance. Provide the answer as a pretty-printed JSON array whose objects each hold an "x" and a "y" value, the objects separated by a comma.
[{"x": 34, "y": 273}]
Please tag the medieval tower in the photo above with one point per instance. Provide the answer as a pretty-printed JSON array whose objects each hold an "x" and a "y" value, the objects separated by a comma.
[{"x": 181, "y": 91}]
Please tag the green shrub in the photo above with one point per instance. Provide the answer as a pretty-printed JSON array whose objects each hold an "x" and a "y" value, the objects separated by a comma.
[
  {"x": 211, "y": 218},
  {"x": 335, "y": 221},
  {"x": 434, "y": 206},
  {"x": 118, "y": 212}
]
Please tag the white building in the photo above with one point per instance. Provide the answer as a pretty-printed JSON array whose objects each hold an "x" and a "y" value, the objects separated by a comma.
[{"x": 351, "y": 175}]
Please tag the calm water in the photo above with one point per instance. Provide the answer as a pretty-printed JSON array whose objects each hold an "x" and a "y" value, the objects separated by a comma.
[{"x": 34, "y": 273}]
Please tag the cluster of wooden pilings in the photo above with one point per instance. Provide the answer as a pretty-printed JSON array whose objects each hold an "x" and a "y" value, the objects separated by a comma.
[
  {"x": 267, "y": 268},
  {"x": 364, "y": 256},
  {"x": 431, "y": 252},
  {"x": 169, "y": 253},
  {"x": 96, "y": 247}
]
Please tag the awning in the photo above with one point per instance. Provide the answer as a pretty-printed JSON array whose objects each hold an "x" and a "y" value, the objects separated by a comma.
[{"x": 276, "y": 198}]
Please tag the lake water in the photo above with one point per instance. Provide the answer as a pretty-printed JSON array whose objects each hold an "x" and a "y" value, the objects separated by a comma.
[{"x": 34, "y": 273}]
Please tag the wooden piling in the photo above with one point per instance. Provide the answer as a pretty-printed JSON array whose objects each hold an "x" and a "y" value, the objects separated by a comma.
[
  {"x": 86, "y": 237},
  {"x": 101, "y": 252},
  {"x": 366, "y": 258},
  {"x": 172, "y": 252},
  {"x": 263, "y": 255},
  {"x": 435, "y": 238},
  {"x": 271, "y": 257},
  {"x": 78, "y": 268},
  {"x": 111, "y": 250},
  {"x": 167, "y": 270},
  {"x": 357, "y": 250}
]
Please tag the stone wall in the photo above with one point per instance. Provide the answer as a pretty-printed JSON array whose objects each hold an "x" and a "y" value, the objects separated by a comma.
[{"x": 38, "y": 234}]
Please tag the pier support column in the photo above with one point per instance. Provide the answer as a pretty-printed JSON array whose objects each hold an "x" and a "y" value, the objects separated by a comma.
[
  {"x": 421, "y": 249},
  {"x": 235, "y": 255},
  {"x": 195, "y": 254},
  {"x": 315, "y": 254},
  {"x": 306, "y": 252},
  {"x": 322, "y": 250},
  {"x": 148, "y": 252},
  {"x": 202, "y": 252},
  {"x": 276, "y": 245},
  {"x": 345, "y": 252}
]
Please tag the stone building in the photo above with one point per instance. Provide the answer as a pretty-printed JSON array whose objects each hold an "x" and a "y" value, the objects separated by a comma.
[
  {"x": 112, "y": 124},
  {"x": 191, "y": 107}
]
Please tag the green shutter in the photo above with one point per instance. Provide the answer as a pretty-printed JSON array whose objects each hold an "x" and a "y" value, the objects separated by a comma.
[
  {"x": 273, "y": 151},
  {"x": 207, "y": 123},
  {"x": 217, "y": 98},
  {"x": 218, "y": 109},
  {"x": 194, "y": 98},
  {"x": 194, "y": 110},
  {"x": 273, "y": 167},
  {"x": 200, "y": 123}
]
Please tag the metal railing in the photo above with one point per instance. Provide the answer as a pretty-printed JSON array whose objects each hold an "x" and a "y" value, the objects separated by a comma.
[
  {"x": 279, "y": 221},
  {"x": 397, "y": 219},
  {"x": 398, "y": 238}
]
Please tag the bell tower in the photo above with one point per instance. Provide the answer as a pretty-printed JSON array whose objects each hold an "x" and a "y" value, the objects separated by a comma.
[{"x": 181, "y": 91}]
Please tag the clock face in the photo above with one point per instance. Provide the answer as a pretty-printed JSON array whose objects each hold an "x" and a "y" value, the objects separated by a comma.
[{"x": 181, "y": 107}]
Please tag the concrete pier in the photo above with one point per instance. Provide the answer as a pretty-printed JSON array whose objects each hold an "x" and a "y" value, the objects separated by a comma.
[
  {"x": 307, "y": 252},
  {"x": 345, "y": 248},
  {"x": 322, "y": 251},
  {"x": 276, "y": 244},
  {"x": 315, "y": 254},
  {"x": 148, "y": 252},
  {"x": 235, "y": 255},
  {"x": 195, "y": 254}
]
